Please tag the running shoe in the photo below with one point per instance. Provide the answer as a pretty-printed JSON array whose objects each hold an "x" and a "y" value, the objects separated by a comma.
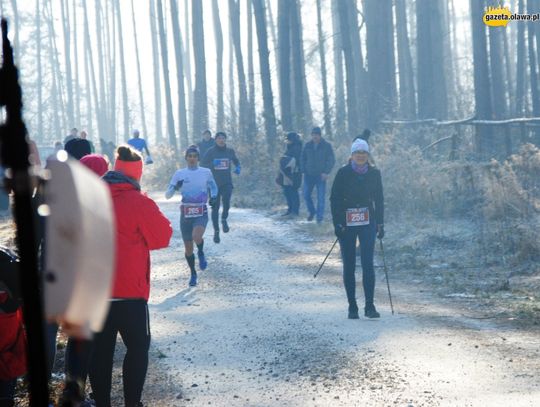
[
  {"x": 193, "y": 280},
  {"x": 216, "y": 236},
  {"x": 202, "y": 261},
  {"x": 225, "y": 226}
]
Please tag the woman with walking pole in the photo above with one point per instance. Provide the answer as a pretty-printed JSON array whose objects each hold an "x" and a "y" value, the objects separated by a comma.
[{"x": 358, "y": 212}]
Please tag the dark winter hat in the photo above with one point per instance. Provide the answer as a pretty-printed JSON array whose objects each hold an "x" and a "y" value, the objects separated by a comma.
[
  {"x": 292, "y": 136},
  {"x": 316, "y": 130},
  {"x": 78, "y": 148},
  {"x": 207, "y": 131},
  {"x": 192, "y": 149},
  {"x": 220, "y": 134}
]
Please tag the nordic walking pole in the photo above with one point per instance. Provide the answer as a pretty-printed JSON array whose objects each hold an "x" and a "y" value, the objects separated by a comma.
[
  {"x": 386, "y": 274},
  {"x": 324, "y": 261}
]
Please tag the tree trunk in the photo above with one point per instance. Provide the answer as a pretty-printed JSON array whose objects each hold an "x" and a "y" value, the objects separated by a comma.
[
  {"x": 165, "y": 66},
  {"x": 362, "y": 77},
  {"x": 16, "y": 48},
  {"x": 77, "y": 93},
  {"x": 39, "y": 71},
  {"x": 338, "y": 70},
  {"x": 67, "y": 57},
  {"x": 182, "y": 115},
  {"x": 157, "y": 76},
  {"x": 251, "y": 72},
  {"x": 322, "y": 57},
  {"x": 520, "y": 70},
  {"x": 139, "y": 79},
  {"x": 266, "y": 78},
  {"x": 432, "y": 102},
  {"x": 353, "y": 114},
  {"x": 407, "y": 96},
  {"x": 125, "y": 105},
  {"x": 200, "y": 102},
  {"x": 284, "y": 11},
  {"x": 243, "y": 108},
  {"x": 498, "y": 84},
  {"x": 218, "y": 36},
  {"x": 232, "y": 98},
  {"x": 533, "y": 63},
  {"x": 104, "y": 107},
  {"x": 59, "y": 127},
  {"x": 299, "y": 115},
  {"x": 272, "y": 25},
  {"x": 482, "y": 89},
  {"x": 187, "y": 65},
  {"x": 90, "y": 73}
]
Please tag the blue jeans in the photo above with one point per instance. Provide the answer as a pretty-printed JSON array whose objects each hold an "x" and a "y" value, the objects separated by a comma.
[
  {"x": 293, "y": 199},
  {"x": 310, "y": 182},
  {"x": 366, "y": 235}
]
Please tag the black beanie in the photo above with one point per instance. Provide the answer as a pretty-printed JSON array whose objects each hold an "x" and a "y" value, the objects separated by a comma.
[{"x": 78, "y": 148}]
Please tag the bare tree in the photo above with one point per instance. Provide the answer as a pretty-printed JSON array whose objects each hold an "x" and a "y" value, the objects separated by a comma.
[
  {"x": 125, "y": 107},
  {"x": 266, "y": 78},
  {"x": 520, "y": 70},
  {"x": 284, "y": 47},
  {"x": 77, "y": 92},
  {"x": 251, "y": 73},
  {"x": 39, "y": 70},
  {"x": 218, "y": 35},
  {"x": 187, "y": 65},
  {"x": 67, "y": 57},
  {"x": 157, "y": 76},
  {"x": 165, "y": 66},
  {"x": 407, "y": 96},
  {"x": 337, "y": 48},
  {"x": 322, "y": 56},
  {"x": 200, "y": 99},
  {"x": 139, "y": 79},
  {"x": 533, "y": 62}
]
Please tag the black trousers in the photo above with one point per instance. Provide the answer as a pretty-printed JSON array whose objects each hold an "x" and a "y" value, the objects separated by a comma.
[
  {"x": 224, "y": 194},
  {"x": 130, "y": 319}
]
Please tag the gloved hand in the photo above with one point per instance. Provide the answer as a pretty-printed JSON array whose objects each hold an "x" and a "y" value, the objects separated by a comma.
[
  {"x": 380, "y": 231},
  {"x": 149, "y": 160},
  {"x": 179, "y": 185},
  {"x": 212, "y": 202},
  {"x": 237, "y": 170},
  {"x": 339, "y": 230}
]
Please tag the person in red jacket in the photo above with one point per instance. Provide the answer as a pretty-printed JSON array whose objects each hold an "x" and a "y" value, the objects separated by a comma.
[{"x": 140, "y": 227}]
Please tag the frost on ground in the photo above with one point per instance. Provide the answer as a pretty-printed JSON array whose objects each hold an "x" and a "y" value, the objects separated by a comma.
[{"x": 259, "y": 330}]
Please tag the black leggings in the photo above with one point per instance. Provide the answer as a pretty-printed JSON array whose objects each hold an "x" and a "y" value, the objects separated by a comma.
[
  {"x": 130, "y": 319},
  {"x": 224, "y": 193}
]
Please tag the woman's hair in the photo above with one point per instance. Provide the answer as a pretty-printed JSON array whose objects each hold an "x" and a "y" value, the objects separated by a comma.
[{"x": 125, "y": 153}]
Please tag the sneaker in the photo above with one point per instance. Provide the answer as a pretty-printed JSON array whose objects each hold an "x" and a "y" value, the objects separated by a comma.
[
  {"x": 225, "y": 226},
  {"x": 202, "y": 261},
  {"x": 353, "y": 311},
  {"x": 310, "y": 217},
  {"x": 216, "y": 236},
  {"x": 193, "y": 280},
  {"x": 371, "y": 312}
]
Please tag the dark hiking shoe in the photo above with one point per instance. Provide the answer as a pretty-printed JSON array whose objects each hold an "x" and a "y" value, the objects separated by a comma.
[
  {"x": 216, "y": 236},
  {"x": 192, "y": 282},
  {"x": 286, "y": 214},
  {"x": 310, "y": 217},
  {"x": 371, "y": 312},
  {"x": 72, "y": 394},
  {"x": 353, "y": 312},
  {"x": 225, "y": 226}
]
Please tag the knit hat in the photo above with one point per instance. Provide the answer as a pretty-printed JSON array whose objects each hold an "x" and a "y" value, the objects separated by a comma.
[
  {"x": 78, "y": 148},
  {"x": 96, "y": 163},
  {"x": 220, "y": 134},
  {"x": 316, "y": 130},
  {"x": 128, "y": 162},
  {"x": 359, "y": 145},
  {"x": 292, "y": 136}
]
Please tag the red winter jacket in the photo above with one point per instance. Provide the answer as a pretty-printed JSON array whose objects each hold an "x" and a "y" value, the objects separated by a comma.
[
  {"x": 140, "y": 227},
  {"x": 12, "y": 346}
]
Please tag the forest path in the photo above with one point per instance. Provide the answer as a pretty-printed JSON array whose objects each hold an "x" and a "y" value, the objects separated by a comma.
[{"x": 259, "y": 330}]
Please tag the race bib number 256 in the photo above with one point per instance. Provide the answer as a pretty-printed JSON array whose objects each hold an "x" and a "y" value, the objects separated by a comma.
[{"x": 357, "y": 216}]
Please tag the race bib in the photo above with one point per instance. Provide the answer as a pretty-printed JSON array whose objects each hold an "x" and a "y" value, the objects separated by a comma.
[
  {"x": 357, "y": 216},
  {"x": 221, "y": 164},
  {"x": 193, "y": 210}
]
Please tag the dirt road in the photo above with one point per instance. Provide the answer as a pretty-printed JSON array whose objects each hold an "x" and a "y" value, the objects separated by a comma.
[{"x": 260, "y": 331}]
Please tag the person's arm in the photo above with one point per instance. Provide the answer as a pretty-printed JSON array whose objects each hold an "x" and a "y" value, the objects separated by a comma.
[
  {"x": 303, "y": 159},
  {"x": 336, "y": 200},
  {"x": 330, "y": 160},
  {"x": 174, "y": 185},
  {"x": 236, "y": 162},
  {"x": 378, "y": 199},
  {"x": 154, "y": 225},
  {"x": 146, "y": 148},
  {"x": 212, "y": 186}
]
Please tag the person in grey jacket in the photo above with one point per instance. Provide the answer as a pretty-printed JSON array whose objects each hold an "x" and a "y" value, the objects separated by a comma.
[{"x": 316, "y": 163}]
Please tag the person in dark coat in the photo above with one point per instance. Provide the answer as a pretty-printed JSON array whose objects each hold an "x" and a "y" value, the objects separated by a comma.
[
  {"x": 316, "y": 163},
  {"x": 220, "y": 159},
  {"x": 357, "y": 204},
  {"x": 206, "y": 143},
  {"x": 289, "y": 175}
]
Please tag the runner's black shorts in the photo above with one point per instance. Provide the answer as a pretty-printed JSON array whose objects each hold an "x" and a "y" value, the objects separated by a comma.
[{"x": 188, "y": 224}]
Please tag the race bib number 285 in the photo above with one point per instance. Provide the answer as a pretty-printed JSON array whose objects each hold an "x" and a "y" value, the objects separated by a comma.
[
  {"x": 357, "y": 216},
  {"x": 193, "y": 211}
]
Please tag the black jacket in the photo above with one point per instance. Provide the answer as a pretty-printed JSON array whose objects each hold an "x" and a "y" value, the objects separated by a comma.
[
  {"x": 204, "y": 146},
  {"x": 353, "y": 190},
  {"x": 220, "y": 157},
  {"x": 317, "y": 159}
]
